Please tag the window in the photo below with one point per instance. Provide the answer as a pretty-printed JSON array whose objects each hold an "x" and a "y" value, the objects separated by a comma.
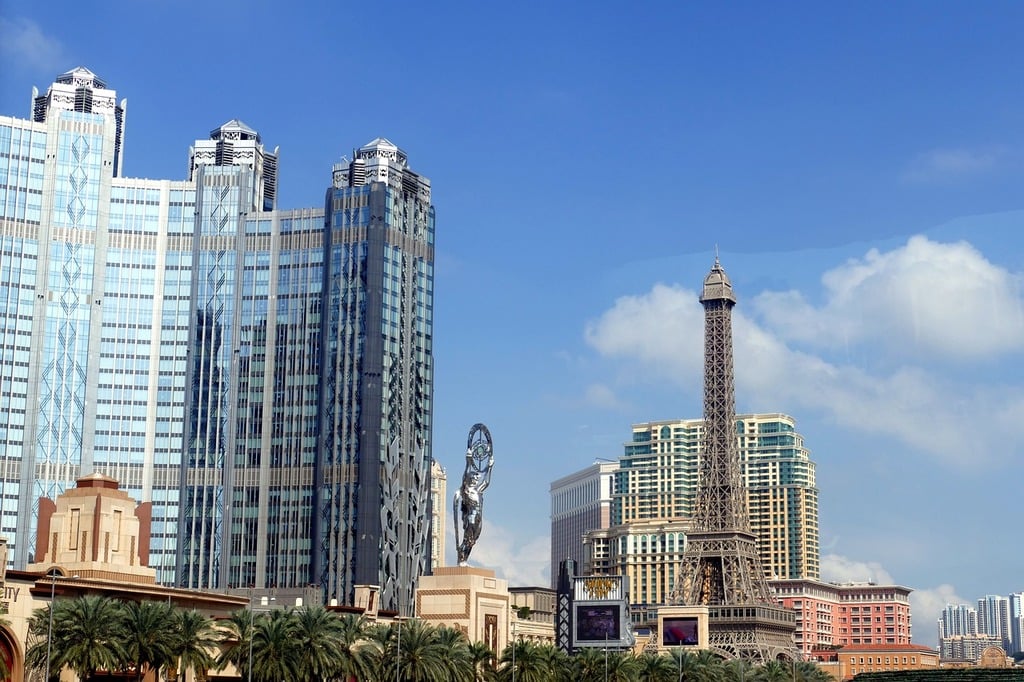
[
  {"x": 115, "y": 544},
  {"x": 74, "y": 527}
]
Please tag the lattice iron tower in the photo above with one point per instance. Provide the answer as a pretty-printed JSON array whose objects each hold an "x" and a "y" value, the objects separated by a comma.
[{"x": 721, "y": 568}]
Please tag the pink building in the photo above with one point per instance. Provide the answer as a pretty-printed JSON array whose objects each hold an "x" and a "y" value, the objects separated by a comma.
[{"x": 833, "y": 615}]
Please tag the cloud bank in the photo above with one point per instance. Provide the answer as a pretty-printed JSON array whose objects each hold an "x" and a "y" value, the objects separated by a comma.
[
  {"x": 883, "y": 352},
  {"x": 925, "y": 604}
]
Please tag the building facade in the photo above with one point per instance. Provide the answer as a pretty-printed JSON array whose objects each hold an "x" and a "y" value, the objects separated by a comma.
[
  {"x": 263, "y": 378},
  {"x": 957, "y": 619},
  {"x": 580, "y": 502},
  {"x": 1016, "y": 622},
  {"x": 850, "y": 661},
  {"x": 994, "y": 618},
  {"x": 438, "y": 513},
  {"x": 652, "y": 497},
  {"x": 965, "y": 631},
  {"x": 657, "y": 479},
  {"x": 831, "y": 615}
]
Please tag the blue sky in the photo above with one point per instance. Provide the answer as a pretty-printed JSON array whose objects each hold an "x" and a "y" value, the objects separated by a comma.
[{"x": 858, "y": 165}]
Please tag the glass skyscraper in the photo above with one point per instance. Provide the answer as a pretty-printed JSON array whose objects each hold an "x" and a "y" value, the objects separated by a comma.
[{"x": 263, "y": 377}]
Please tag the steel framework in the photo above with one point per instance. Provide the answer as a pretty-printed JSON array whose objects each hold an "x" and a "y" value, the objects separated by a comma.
[{"x": 721, "y": 568}]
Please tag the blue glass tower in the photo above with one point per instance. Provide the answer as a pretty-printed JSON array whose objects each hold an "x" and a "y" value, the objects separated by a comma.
[{"x": 263, "y": 377}]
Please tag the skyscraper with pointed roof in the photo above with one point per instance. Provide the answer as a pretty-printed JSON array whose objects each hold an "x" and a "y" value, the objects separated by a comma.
[
  {"x": 262, "y": 377},
  {"x": 721, "y": 567}
]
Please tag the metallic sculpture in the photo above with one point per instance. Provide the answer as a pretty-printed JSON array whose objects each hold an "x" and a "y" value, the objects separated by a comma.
[{"x": 468, "y": 503}]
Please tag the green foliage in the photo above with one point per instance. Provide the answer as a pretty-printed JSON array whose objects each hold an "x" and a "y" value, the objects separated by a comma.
[
  {"x": 194, "y": 640},
  {"x": 314, "y": 644},
  {"x": 151, "y": 633},
  {"x": 88, "y": 635}
]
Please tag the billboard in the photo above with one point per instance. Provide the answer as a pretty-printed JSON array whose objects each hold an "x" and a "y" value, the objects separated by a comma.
[
  {"x": 680, "y": 631},
  {"x": 597, "y": 624},
  {"x": 600, "y": 613},
  {"x": 683, "y": 626}
]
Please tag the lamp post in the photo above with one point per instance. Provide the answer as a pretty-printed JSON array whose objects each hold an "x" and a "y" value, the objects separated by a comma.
[
  {"x": 252, "y": 627},
  {"x": 49, "y": 630},
  {"x": 513, "y": 651},
  {"x": 54, "y": 574},
  {"x": 398, "y": 656},
  {"x": 606, "y": 656}
]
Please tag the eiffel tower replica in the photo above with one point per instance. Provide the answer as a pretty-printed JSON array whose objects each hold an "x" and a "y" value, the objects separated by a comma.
[{"x": 721, "y": 568}]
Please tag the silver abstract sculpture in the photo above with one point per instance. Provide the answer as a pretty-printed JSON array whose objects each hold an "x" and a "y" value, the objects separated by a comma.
[{"x": 468, "y": 503}]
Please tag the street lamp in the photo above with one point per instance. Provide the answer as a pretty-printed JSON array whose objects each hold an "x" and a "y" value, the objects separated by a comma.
[
  {"x": 513, "y": 651},
  {"x": 252, "y": 627},
  {"x": 606, "y": 656},
  {"x": 398, "y": 655},
  {"x": 54, "y": 574}
]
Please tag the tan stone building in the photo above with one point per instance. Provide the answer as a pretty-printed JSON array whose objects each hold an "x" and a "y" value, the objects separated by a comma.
[
  {"x": 92, "y": 540},
  {"x": 849, "y": 661}
]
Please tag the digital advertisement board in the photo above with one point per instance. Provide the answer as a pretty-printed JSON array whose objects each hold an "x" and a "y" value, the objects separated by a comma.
[
  {"x": 679, "y": 632},
  {"x": 598, "y": 624}
]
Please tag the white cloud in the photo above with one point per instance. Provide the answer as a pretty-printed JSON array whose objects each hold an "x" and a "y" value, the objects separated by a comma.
[
  {"x": 662, "y": 329},
  {"x": 24, "y": 43},
  {"x": 945, "y": 165},
  {"x": 925, "y": 607},
  {"x": 925, "y": 604},
  {"x": 956, "y": 293},
  {"x": 945, "y": 300},
  {"x": 523, "y": 562},
  {"x": 836, "y": 568}
]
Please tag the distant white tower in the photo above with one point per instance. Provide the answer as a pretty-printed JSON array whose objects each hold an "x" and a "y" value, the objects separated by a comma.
[{"x": 438, "y": 515}]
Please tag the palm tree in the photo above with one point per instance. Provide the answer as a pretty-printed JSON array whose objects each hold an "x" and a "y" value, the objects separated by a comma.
[
  {"x": 195, "y": 637},
  {"x": 151, "y": 636},
  {"x": 482, "y": 658},
  {"x": 700, "y": 666},
  {"x": 460, "y": 665},
  {"x": 589, "y": 665},
  {"x": 275, "y": 658},
  {"x": 421, "y": 657},
  {"x": 657, "y": 668},
  {"x": 621, "y": 667},
  {"x": 35, "y": 651},
  {"x": 736, "y": 670},
  {"x": 237, "y": 631},
  {"x": 531, "y": 663},
  {"x": 318, "y": 636},
  {"x": 379, "y": 650},
  {"x": 808, "y": 671},
  {"x": 5, "y": 672},
  {"x": 558, "y": 663},
  {"x": 709, "y": 666},
  {"x": 773, "y": 671},
  {"x": 87, "y": 636},
  {"x": 353, "y": 656}
]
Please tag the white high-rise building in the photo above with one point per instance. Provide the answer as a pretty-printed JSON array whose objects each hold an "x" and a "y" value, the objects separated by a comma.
[
  {"x": 262, "y": 377},
  {"x": 580, "y": 502},
  {"x": 438, "y": 513},
  {"x": 1016, "y": 622},
  {"x": 994, "y": 618},
  {"x": 957, "y": 620}
]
